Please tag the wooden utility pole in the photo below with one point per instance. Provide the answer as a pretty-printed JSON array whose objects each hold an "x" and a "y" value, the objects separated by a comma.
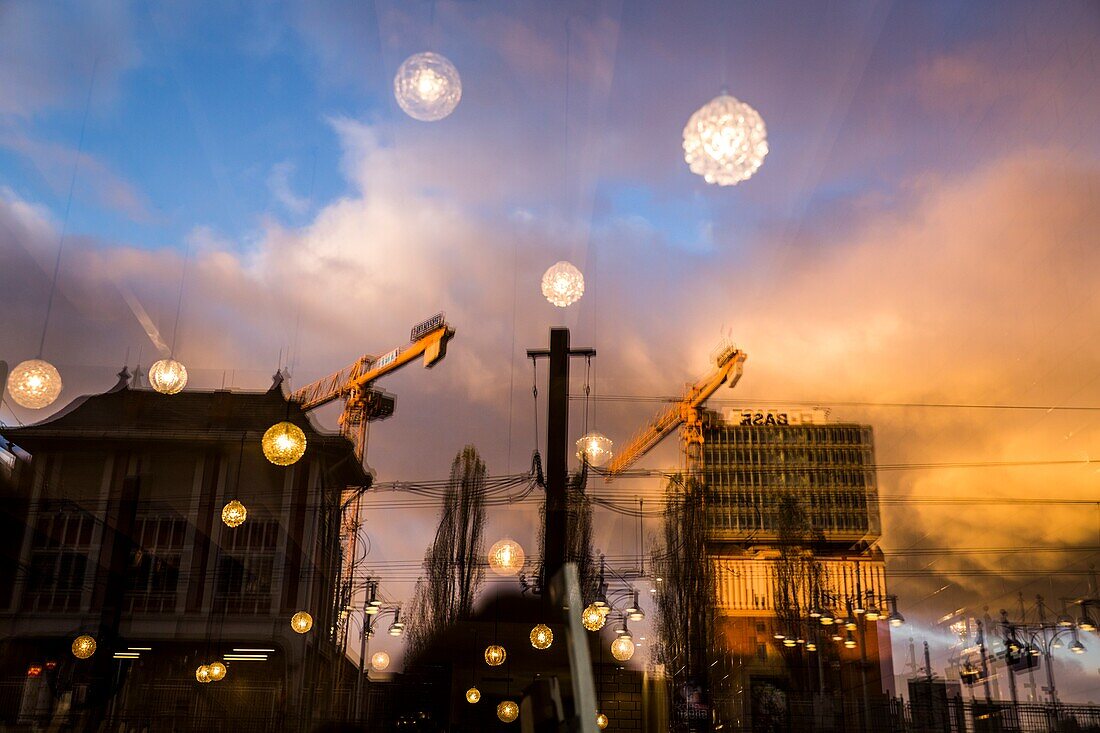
[{"x": 557, "y": 447}]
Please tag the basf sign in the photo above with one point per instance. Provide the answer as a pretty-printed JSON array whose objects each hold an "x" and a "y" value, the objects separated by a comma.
[{"x": 767, "y": 416}]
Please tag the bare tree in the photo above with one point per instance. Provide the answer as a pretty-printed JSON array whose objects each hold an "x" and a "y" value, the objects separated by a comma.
[
  {"x": 686, "y": 596},
  {"x": 452, "y": 565},
  {"x": 798, "y": 574},
  {"x": 579, "y": 540}
]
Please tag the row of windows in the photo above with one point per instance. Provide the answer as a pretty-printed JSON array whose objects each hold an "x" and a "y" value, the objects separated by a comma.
[
  {"x": 749, "y": 520},
  {"x": 787, "y": 435},
  {"x": 59, "y": 564},
  {"x": 722, "y": 478},
  {"x": 827, "y": 457}
]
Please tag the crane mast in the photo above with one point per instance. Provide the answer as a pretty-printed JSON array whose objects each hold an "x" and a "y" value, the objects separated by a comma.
[{"x": 685, "y": 414}]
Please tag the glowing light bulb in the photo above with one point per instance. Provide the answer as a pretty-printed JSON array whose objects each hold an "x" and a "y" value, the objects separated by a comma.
[
  {"x": 202, "y": 674},
  {"x": 473, "y": 695},
  {"x": 593, "y": 618},
  {"x": 284, "y": 443},
  {"x": 601, "y": 721},
  {"x": 563, "y": 284},
  {"x": 83, "y": 646},
  {"x": 427, "y": 87},
  {"x": 623, "y": 648},
  {"x": 507, "y": 711},
  {"x": 506, "y": 557},
  {"x": 168, "y": 376},
  {"x": 542, "y": 637},
  {"x": 725, "y": 141},
  {"x": 380, "y": 661},
  {"x": 234, "y": 514},
  {"x": 301, "y": 622},
  {"x": 495, "y": 655},
  {"x": 596, "y": 447},
  {"x": 217, "y": 671},
  {"x": 34, "y": 384}
]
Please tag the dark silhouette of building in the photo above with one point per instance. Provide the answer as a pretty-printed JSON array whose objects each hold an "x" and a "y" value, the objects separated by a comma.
[{"x": 111, "y": 526}]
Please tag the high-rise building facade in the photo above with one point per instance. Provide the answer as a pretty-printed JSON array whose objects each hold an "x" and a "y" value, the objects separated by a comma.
[{"x": 792, "y": 526}]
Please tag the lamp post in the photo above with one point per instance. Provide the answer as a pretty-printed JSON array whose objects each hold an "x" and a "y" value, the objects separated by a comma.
[
  {"x": 373, "y": 612},
  {"x": 1033, "y": 639}
]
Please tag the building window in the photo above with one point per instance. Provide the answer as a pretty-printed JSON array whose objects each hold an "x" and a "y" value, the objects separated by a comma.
[
  {"x": 58, "y": 558},
  {"x": 245, "y": 568},
  {"x": 155, "y": 564}
]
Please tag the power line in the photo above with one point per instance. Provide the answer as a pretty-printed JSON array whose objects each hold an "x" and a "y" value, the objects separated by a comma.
[{"x": 750, "y": 401}]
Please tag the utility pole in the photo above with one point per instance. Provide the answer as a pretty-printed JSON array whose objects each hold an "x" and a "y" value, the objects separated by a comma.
[{"x": 557, "y": 447}]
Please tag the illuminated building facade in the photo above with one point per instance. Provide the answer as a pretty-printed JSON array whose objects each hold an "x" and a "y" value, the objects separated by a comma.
[
  {"x": 111, "y": 513},
  {"x": 793, "y": 521}
]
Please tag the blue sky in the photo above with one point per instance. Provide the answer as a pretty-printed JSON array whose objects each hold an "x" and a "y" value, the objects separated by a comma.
[{"x": 923, "y": 228}]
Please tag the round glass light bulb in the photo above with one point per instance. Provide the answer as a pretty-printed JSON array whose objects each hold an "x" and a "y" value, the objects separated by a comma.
[
  {"x": 202, "y": 674},
  {"x": 507, "y": 711},
  {"x": 495, "y": 655},
  {"x": 725, "y": 141},
  {"x": 623, "y": 648},
  {"x": 542, "y": 637},
  {"x": 234, "y": 514},
  {"x": 301, "y": 622},
  {"x": 596, "y": 447},
  {"x": 380, "y": 660},
  {"x": 168, "y": 376},
  {"x": 473, "y": 695},
  {"x": 593, "y": 618},
  {"x": 601, "y": 721},
  {"x": 83, "y": 646},
  {"x": 34, "y": 384},
  {"x": 563, "y": 284},
  {"x": 427, "y": 86},
  {"x": 506, "y": 557},
  {"x": 217, "y": 671},
  {"x": 284, "y": 443}
]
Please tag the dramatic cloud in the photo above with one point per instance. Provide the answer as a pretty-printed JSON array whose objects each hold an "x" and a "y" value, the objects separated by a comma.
[{"x": 913, "y": 238}]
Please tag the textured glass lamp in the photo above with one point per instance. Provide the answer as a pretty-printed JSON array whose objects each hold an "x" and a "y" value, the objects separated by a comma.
[
  {"x": 168, "y": 376},
  {"x": 427, "y": 86},
  {"x": 202, "y": 674},
  {"x": 83, "y": 646},
  {"x": 217, "y": 671},
  {"x": 725, "y": 141},
  {"x": 507, "y": 711},
  {"x": 380, "y": 661},
  {"x": 234, "y": 514},
  {"x": 542, "y": 637},
  {"x": 495, "y": 655},
  {"x": 301, "y": 622},
  {"x": 623, "y": 648},
  {"x": 601, "y": 721},
  {"x": 593, "y": 618},
  {"x": 34, "y": 384},
  {"x": 563, "y": 284},
  {"x": 284, "y": 443},
  {"x": 596, "y": 447},
  {"x": 506, "y": 557},
  {"x": 473, "y": 695}
]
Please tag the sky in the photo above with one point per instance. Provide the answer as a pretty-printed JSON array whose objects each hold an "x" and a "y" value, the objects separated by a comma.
[{"x": 922, "y": 231}]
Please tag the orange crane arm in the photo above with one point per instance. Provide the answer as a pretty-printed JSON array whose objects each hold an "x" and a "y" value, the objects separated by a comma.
[
  {"x": 355, "y": 378},
  {"x": 729, "y": 367}
]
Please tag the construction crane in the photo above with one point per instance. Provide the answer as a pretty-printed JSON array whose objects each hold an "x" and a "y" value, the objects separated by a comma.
[
  {"x": 362, "y": 403},
  {"x": 685, "y": 414}
]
